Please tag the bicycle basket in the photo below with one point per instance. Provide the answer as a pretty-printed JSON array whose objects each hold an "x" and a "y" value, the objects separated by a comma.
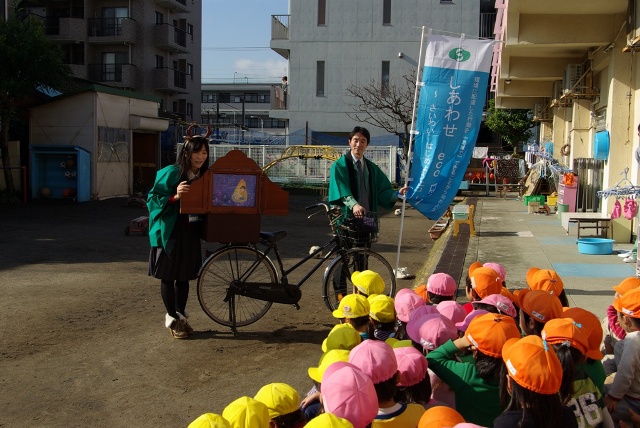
[{"x": 360, "y": 231}]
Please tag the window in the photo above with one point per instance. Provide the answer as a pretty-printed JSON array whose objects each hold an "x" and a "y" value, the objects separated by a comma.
[
  {"x": 189, "y": 109},
  {"x": 250, "y": 97},
  {"x": 159, "y": 18},
  {"x": 385, "y": 78},
  {"x": 320, "y": 78},
  {"x": 224, "y": 97},
  {"x": 161, "y": 105},
  {"x": 190, "y": 30},
  {"x": 190, "y": 70},
  {"x": 322, "y": 12},
  {"x": 112, "y": 18},
  {"x": 386, "y": 12},
  {"x": 159, "y": 61},
  {"x": 175, "y": 107}
]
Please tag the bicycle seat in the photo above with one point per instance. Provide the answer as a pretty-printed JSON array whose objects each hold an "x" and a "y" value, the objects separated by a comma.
[{"x": 273, "y": 236}]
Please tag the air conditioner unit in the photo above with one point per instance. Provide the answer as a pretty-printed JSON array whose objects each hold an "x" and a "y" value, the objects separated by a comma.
[
  {"x": 557, "y": 89},
  {"x": 571, "y": 78}
]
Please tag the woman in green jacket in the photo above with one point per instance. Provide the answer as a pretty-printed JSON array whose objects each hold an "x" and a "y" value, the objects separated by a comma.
[{"x": 175, "y": 255}]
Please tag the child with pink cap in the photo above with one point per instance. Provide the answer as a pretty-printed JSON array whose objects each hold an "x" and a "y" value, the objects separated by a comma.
[
  {"x": 414, "y": 386},
  {"x": 476, "y": 384},
  {"x": 428, "y": 332},
  {"x": 349, "y": 394},
  {"x": 440, "y": 287},
  {"x": 378, "y": 361},
  {"x": 405, "y": 303}
]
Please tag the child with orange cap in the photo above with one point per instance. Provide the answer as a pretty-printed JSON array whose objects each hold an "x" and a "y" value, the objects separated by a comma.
[
  {"x": 476, "y": 384},
  {"x": 529, "y": 387},
  {"x": 612, "y": 330},
  {"x": 547, "y": 280},
  {"x": 440, "y": 417},
  {"x": 577, "y": 390},
  {"x": 592, "y": 365},
  {"x": 623, "y": 393},
  {"x": 537, "y": 307}
]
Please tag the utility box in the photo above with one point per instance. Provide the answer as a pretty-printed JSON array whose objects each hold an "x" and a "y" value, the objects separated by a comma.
[{"x": 60, "y": 172}]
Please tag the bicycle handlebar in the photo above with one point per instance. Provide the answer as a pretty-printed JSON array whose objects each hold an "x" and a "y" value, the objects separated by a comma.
[{"x": 319, "y": 204}]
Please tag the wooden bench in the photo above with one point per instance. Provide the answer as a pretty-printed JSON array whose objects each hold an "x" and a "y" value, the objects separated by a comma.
[{"x": 602, "y": 225}]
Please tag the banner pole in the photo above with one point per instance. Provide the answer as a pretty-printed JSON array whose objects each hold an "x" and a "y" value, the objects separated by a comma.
[{"x": 412, "y": 133}]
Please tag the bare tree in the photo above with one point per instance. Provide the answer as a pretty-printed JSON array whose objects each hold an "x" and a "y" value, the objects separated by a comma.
[{"x": 386, "y": 105}]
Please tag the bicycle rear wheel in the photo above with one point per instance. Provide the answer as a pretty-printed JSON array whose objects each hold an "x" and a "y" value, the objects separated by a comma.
[
  {"x": 337, "y": 277},
  {"x": 220, "y": 271}
]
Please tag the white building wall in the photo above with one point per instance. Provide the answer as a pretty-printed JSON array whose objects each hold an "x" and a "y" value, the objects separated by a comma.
[{"x": 353, "y": 44}]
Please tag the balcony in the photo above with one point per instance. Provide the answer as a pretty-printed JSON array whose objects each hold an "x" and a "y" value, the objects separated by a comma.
[
  {"x": 112, "y": 30},
  {"x": 175, "y": 6},
  {"x": 280, "y": 35},
  {"x": 487, "y": 22},
  {"x": 170, "y": 81},
  {"x": 122, "y": 75},
  {"x": 65, "y": 30},
  {"x": 170, "y": 38}
]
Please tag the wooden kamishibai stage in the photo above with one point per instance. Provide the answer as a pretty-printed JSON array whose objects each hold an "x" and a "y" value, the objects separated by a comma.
[{"x": 232, "y": 196}]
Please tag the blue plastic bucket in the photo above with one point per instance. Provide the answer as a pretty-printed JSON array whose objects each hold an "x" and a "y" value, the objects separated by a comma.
[{"x": 595, "y": 245}]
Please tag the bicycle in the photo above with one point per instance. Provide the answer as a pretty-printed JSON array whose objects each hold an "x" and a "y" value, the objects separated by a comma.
[{"x": 238, "y": 283}]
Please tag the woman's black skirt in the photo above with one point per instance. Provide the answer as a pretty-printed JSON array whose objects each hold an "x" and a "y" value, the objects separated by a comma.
[{"x": 182, "y": 258}]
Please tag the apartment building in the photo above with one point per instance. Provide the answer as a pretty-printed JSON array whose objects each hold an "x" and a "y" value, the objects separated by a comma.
[
  {"x": 331, "y": 44},
  {"x": 148, "y": 46},
  {"x": 234, "y": 108}
]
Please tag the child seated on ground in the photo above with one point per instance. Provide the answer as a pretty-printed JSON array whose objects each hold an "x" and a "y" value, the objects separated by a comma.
[
  {"x": 624, "y": 392},
  {"x": 592, "y": 365},
  {"x": 537, "y": 307},
  {"x": 440, "y": 287},
  {"x": 377, "y": 360},
  {"x": 476, "y": 384},
  {"x": 209, "y": 420},
  {"x": 367, "y": 283},
  {"x": 246, "y": 412},
  {"x": 283, "y": 403},
  {"x": 354, "y": 309},
  {"x": 427, "y": 333},
  {"x": 382, "y": 317},
  {"x": 413, "y": 383},
  {"x": 405, "y": 303},
  {"x": 529, "y": 386},
  {"x": 610, "y": 326},
  {"x": 577, "y": 390},
  {"x": 311, "y": 405},
  {"x": 547, "y": 280}
]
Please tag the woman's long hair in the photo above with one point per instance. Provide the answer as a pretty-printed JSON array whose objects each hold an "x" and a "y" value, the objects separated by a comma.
[
  {"x": 192, "y": 145},
  {"x": 544, "y": 410}
]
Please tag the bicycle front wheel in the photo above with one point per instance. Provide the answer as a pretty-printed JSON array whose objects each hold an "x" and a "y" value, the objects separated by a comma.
[
  {"x": 220, "y": 271},
  {"x": 337, "y": 277}
]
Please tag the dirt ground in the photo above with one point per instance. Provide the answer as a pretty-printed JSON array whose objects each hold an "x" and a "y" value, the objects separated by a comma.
[{"x": 83, "y": 341}]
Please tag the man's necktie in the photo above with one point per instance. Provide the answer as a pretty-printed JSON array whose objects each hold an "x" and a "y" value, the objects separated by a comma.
[{"x": 363, "y": 197}]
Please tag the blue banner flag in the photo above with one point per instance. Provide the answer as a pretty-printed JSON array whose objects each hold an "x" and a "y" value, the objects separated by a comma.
[{"x": 452, "y": 96}]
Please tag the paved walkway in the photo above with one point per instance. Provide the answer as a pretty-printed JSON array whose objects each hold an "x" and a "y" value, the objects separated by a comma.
[{"x": 507, "y": 234}]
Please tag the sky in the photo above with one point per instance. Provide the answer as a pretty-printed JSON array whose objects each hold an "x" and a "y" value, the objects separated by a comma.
[{"x": 235, "y": 41}]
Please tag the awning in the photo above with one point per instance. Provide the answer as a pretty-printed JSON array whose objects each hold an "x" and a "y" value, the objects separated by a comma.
[{"x": 142, "y": 123}]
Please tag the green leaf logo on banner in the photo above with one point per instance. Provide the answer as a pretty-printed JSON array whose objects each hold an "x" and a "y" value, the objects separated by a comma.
[{"x": 459, "y": 54}]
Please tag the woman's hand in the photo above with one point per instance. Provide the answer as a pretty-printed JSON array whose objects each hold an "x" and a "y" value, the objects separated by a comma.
[
  {"x": 403, "y": 190},
  {"x": 183, "y": 188}
]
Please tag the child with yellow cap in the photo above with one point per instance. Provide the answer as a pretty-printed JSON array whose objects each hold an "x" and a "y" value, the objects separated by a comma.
[
  {"x": 354, "y": 309},
  {"x": 283, "y": 404},
  {"x": 367, "y": 283},
  {"x": 382, "y": 317},
  {"x": 209, "y": 420},
  {"x": 311, "y": 405},
  {"x": 529, "y": 386},
  {"x": 623, "y": 394},
  {"x": 246, "y": 412}
]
